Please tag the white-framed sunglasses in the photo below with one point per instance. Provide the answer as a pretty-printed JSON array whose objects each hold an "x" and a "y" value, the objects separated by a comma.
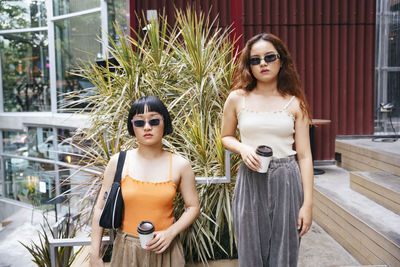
[{"x": 138, "y": 123}]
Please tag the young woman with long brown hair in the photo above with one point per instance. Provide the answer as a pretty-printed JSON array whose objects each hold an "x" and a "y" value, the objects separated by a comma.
[{"x": 271, "y": 210}]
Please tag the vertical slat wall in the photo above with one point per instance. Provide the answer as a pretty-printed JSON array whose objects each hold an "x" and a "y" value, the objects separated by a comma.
[
  {"x": 332, "y": 43},
  {"x": 220, "y": 8}
]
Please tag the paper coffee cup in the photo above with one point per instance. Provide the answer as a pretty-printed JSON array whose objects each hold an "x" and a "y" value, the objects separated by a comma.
[
  {"x": 265, "y": 154},
  {"x": 145, "y": 230}
]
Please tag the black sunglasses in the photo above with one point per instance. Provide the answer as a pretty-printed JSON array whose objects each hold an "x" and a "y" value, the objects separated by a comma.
[
  {"x": 141, "y": 123},
  {"x": 268, "y": 59}
]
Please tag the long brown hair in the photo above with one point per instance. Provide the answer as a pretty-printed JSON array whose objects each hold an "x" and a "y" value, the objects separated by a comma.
[{"x": 288, "y": 77}]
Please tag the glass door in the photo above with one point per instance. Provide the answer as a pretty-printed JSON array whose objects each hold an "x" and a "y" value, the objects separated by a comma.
[{"x": 387, "y": 70}]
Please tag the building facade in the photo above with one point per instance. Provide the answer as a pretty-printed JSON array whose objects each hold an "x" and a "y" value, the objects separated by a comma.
[
  {"x": 347, "y": 54},
  {"x": 41, "y": 42}
]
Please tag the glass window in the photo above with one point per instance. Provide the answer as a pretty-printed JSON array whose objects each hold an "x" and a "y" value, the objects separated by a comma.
[
  {"x": 77, "y": 185},
  {"x": 62, "y": 7},
  {"x": 117, "y": 15},
  {"x": 20, "y": 14},
  {"x": 72, "y": 179},
  {"x": 1, "y": 178},
  {"x": 67, "y": 151},
  {"x": 15, "y": 143},
  {"x": 394, "y": 43},
  {"x": 40, "y": 143},
  {"x": 394, "y": 92},
  {"x": 387, "y": 81},
  {"x": 76, "y": 39},
  {"x": 25, "y": 71},
  {"x": 28, "y": 181}
]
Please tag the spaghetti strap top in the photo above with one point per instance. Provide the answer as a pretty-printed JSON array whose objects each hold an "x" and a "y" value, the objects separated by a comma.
[
  {"x": 288, "y": 103},
  {"x": 147, "y": 201},
  {"x": 272, "y": 128},
  {"x": 284, "y": 107}
]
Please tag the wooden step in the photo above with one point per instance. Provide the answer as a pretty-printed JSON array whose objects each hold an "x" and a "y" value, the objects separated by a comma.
[
  {"x": 365, "y": 155},
  {"x": 363, "y": 241},
  {"x": 369, "y": 231},
  {"x": 359, "y": 266},
  {"x": 381, "y": 187}
]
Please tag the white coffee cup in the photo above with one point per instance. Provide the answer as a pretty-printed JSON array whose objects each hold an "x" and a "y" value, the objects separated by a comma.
[
  {"x": 265, "y": 154},
  {"x": 145, "y": 230}
]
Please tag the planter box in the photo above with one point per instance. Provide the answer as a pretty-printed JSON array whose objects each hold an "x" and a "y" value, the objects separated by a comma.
[
  {"x": 82, "y": 260},
  {"x": 216, "y": 263}
]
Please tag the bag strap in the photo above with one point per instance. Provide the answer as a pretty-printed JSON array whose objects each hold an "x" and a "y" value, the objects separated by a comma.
[{"x": 120, "y": 165}]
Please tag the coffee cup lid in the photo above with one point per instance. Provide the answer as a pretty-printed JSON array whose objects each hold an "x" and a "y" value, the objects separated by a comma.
[
  {"x": 265, "y": 151},
  {"x": 145, "y": 227}
]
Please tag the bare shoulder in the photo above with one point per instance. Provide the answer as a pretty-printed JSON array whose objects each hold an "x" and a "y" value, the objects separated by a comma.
[
  {"x": 295, "y": 108},
  {"x": 114, "y": 160},
  {"x": 235, "y": 99},
  {"x": 236, "y": 95},
  {"x": 180, "y": 162},
  {"x": 296, "y": 102},
  {"x": 110, "y": 170}
]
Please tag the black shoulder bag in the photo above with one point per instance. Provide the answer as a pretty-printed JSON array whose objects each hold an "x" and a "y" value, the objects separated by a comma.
[{"x": 111, "y": 215}]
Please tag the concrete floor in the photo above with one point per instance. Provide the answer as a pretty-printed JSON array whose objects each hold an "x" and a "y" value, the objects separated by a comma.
[
  {"x": 318, "y": 249},
  {"x": 21, "y": 228}
]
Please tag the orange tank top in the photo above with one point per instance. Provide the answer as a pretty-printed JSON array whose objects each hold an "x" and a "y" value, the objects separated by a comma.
[{"x": 148, "y": 201}]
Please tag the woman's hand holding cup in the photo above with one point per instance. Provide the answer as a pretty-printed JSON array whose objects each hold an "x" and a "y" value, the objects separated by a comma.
[
  {"x": 250, "y": 158},
  {"x": 161, "y": 241},
  {"x": 155, "y": 241}
]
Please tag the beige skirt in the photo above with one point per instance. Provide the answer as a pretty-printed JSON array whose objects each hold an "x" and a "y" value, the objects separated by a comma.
[{"x": 127, "y": 252}]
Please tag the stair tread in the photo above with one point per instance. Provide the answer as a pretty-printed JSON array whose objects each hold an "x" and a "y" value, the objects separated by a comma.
[
  {"x": 335, "y": 184},
  {"x": 392, "y": 149},
  {"x": 386, "y": 179}
]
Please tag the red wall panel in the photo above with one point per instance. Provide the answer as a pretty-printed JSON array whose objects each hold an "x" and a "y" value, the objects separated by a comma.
[{"x": 220, "y": 8}]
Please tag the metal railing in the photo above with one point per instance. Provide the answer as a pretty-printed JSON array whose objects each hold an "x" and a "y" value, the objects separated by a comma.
[
  {"x": 70, "y": 242},
  {"x": 55, "y": 243},
  {"x": 217, "y": 179}
]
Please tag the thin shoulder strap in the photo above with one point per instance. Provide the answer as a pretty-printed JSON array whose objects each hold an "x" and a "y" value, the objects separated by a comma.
[
  {"x": 128, "y": 159},
  {"x": 288, "y": 103},
  {"x": 120, "y": 166},
  {"x": 170, "y": 165}
]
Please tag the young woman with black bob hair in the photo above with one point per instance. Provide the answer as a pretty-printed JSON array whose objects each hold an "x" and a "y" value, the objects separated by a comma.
[
  {"x": 271, "y": 210},
  {"x": 150, "y": 178}
]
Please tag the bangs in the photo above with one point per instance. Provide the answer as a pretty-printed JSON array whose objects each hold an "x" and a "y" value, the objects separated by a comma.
[{"x": 149, "y": 104}]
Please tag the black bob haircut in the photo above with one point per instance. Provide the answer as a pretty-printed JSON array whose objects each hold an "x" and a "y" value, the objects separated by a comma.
[{"x": 153, "y": 104}]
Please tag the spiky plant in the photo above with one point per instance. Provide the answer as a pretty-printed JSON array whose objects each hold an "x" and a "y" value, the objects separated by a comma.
[
  {"x": 190, "y": 66},
  {"x": 40, "y": 251}
]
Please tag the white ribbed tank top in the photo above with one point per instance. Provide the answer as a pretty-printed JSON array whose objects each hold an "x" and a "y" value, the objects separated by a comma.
[{"x": 272, "y": 128}]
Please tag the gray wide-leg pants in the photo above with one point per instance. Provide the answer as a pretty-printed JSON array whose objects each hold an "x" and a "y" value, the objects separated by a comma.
[{"x": 265, "y": 212}]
